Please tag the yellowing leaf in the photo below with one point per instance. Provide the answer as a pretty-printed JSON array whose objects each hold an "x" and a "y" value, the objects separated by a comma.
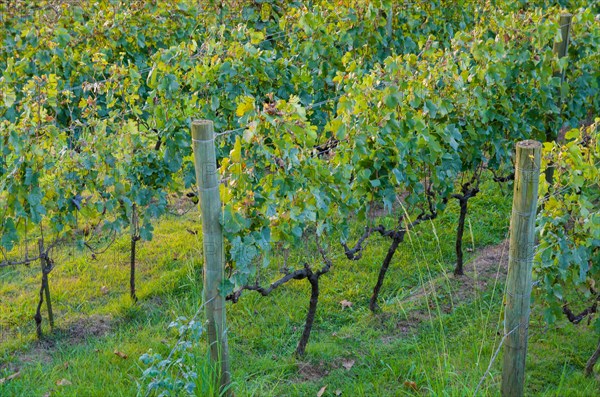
[
  {"x": 9, "y": 97},
  {"x": 152, "y": 78},
  {"x": 265, "y": 12},
  {"x": 245, "y": 106},
  {"x": 225, "y": 193},
  {"x": 225, "y": 163},
  {"x": 236, "y": 153},
  {"x": 52, "y": 90},
  {"x": 250, "y": 131},
  {"x": 256, "y": 37}
]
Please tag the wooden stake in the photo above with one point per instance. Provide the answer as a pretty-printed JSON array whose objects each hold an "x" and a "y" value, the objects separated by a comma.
[
  {"x": 389, "y": 32},
  {"x": 212, "y": 236},
  {"x": 521, "y": 251},
  {"x": 560, "y": 48}
]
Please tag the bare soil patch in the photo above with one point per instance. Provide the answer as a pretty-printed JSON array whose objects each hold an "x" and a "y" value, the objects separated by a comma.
[
  {"x": 310, "y": 372},
  {"x": 488, "y": 267},
  {"x": 41, "y": 351},
  {"x": 92, "y": 326},
  {"x": 180, "y": 204}
]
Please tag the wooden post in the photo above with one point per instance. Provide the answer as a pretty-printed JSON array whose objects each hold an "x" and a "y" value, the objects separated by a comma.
[
  {"x": 389, "y": 20},
  {"x": 389, "y": 32},
  {"x": 212, "y": 236},
  {"x": 560, "y": 48},
  {"x": 520, "y": 259}
]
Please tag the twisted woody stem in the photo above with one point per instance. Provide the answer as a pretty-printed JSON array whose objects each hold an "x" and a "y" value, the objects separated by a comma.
[{"x": 307, "y": 273}]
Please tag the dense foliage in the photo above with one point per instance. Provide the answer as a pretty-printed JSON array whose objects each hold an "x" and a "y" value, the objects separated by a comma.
[
  {"x": 569, "y": 218},
  {"x": 569, "y": 224},
  {"x": 326, "y": 112}
]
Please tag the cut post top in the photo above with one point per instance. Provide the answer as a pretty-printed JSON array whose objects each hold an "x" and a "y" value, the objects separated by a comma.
[
  {"x": 565, "y": 21},
  {"x": 529, "y": 144},
  {"x": 201, "y": 122},
  {"x": 202, "y": 130}
]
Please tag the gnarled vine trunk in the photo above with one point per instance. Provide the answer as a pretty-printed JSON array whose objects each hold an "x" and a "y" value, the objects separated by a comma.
[
  {"x": 383, "y": 270},
  {"x": 134, "y": 239},
  {"x": 132, "y": 270},
  {"x": 589, "y": 366},
  {"x": 463, "y": 201},
  {"x": 46, "y": 266},
  {"x": 460, "y": 231},
  {"x": 310, "y": 315},
  {"x": 300, "y": 274}
]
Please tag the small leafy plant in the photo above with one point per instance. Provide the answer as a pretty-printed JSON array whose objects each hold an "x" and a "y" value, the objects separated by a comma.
[{"x": 184, "y": 371}]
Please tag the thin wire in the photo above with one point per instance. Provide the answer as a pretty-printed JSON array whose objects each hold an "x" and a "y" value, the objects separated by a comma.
[
  {"x": 309, "y": 107},
  {"x": 319, "y": 104},
  {"x": 110, "y": 79},
  {"x": 494, "y": 358},
  {"x": 230, "y": 131}
]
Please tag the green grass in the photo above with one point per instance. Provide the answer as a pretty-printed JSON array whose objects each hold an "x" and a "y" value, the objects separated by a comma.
[{"x": 442, "y": 340}]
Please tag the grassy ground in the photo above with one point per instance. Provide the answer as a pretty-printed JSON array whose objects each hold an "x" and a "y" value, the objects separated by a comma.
[{"x": 435, "y": 335}]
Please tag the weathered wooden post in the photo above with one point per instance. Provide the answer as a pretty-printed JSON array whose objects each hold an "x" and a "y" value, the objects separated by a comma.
[
  {"x": 389, "y": 21},
  {"x": 560, "y": 48},
  {"x": 212, "y": 236},
  {"x": 520, "y": 259}
]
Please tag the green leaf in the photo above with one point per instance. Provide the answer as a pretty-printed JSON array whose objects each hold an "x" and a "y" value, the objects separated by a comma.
[
  {"x": 172, "y": 158},
  {"x": 558, "y": 291},
  {"x": 9, "y": 97},
  {"x": 297, "y": 231},
  {"x": 392, "y": 100},
  {"x": 572, "y": 134},
  {"x": 146, "y": 231},
  {"x": 9, "y": 235}
]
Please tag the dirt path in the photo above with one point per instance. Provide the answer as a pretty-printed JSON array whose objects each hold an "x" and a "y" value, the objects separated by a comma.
[{"x": 487, "y": 267}]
